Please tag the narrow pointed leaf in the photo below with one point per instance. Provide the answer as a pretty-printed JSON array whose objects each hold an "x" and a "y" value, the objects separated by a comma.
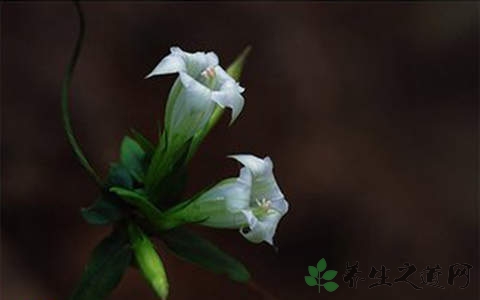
[
  {"x": 141, "y": 202},
  {"x": 103, "y": 211},
  {"x": 143, "y": 142},
  {"x": 197, "y": 250},
  {"x": 170, "y": 190},
  {"x": 118, "y": 175},
  {"x": 165, "y": 168},
  {"x": 108, "y": 263},
  {"x": 132, "y": 157}
]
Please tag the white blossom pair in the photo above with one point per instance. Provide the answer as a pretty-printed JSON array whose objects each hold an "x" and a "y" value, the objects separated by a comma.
[{"x": 253, "y": 202}]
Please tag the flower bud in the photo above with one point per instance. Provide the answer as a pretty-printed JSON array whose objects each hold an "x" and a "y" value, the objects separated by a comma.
[{"x": 148, "y": 261}]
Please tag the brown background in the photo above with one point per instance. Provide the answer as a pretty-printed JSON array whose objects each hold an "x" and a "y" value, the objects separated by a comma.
[{"x": 369, "y": 111}]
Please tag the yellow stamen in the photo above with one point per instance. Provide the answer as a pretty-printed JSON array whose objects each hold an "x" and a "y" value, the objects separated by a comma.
[{"x": 264, "y": 204}]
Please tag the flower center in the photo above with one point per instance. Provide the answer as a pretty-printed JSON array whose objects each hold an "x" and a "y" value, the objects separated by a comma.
[
  {"x": 263, "y": 207},
  {"x": 209, "y": 73},
  {"x": 208, "y": 77}
]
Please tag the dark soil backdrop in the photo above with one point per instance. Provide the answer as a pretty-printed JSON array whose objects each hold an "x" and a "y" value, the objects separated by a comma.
[{"x": 368, "y": 110}]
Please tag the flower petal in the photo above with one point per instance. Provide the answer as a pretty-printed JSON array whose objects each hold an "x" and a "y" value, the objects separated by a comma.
[
  {"x": 261, "y": 229},
  {"x": 229, "y": 96},
  {"x": 245, "y": 182},
  {"x": 223, "y": 77},
  {"x": 193, "y": 85},
  {"x": 212, "y": 58},
  {"x": 191, "y": 110},
  {"x": 172, "y": 63},
  {"x": 199, "y": 61},
  {"x": 264, "y": 185},
  {"x": 256, "y": 165},
  {"x": 182, "y": 61}
]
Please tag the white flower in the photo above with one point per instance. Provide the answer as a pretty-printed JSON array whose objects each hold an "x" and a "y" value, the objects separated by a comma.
[
  {"x": 252, "y": 202},
  {"x": 202, "y": 84}
]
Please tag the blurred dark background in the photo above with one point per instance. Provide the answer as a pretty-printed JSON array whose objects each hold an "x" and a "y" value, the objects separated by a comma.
[{"x": 368, "y": 110}]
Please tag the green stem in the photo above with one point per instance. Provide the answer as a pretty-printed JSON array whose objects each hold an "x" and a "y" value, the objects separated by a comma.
[{"x": 65, "y": 97}]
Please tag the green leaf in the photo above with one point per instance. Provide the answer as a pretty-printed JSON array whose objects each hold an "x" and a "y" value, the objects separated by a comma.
[
  {"x": 197, "y": 250},
  {"x": 143, "y": 142},
  {"x": 313, "y": 271},
  {"x": 118, "y": 175},
  {"x": 166, "y": 171},
  {"x": 169, "y": 191},
  {"x": 132, "y": 197},
  {"x": 109, "y": 261},
  {"x": 132, "y": 157},
  {"x": 311, "y": 281},
  {"x": 329, "y": 275},
  {"x": 140, "y": 201},
  {"x": 321, "y": 265},
  {"x": 157, "y": 169},
  {"x": 330, "y": 286},
  {"x": 109, "y": 208},
  {"x": 148, "y": 261},
  {"x": 103, "y": 211}
]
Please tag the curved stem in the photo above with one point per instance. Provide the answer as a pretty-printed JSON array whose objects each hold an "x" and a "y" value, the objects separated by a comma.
[{"x": 65, "y": 97}]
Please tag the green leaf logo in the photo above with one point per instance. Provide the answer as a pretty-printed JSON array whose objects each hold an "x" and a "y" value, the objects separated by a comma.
[
  {"x": 313, "y": 271},
  {"x": 316, "y": 277}
]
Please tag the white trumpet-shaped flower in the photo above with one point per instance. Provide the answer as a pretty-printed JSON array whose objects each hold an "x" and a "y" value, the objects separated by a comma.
[
  {"x": 253, "y": 202},
  {"x": 202, "y": 84}
]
